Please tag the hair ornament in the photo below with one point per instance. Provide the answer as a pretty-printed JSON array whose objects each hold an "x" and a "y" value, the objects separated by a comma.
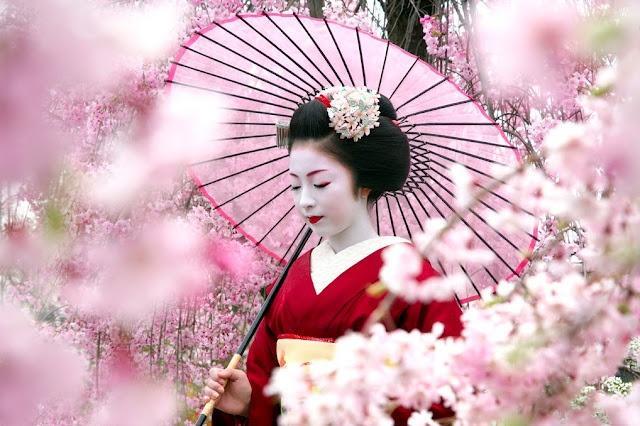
[{"x": 353, "y": 111}]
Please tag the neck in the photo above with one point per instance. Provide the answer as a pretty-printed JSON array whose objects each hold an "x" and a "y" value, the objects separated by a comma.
[{"x": 360, "y": 230}]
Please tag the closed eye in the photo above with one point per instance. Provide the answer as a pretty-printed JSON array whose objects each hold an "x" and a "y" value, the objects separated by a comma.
[
  {"x": 322, "y": 185},
  {"x": 295, "y": 188}
]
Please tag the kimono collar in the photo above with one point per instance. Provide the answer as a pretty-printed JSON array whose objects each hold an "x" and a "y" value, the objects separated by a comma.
[{"x": 326, "y": 265}]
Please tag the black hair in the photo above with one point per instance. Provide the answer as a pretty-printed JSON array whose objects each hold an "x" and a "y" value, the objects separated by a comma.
[{"x": 379, "y": 161}]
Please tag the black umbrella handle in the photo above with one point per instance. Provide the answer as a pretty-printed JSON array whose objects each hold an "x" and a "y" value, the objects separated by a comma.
[{"x": 207, "y": 411}]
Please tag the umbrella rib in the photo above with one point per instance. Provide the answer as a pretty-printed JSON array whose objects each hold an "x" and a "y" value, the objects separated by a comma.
[
  {"x": 364, "y": 75},
  {"x": 261, "y": 207},
  {"x": 235, "y": 138},
  {"x": 393, "y": 228},
  {"x": 412, "y": 210},
  {"x": 484, "y": 188},
  {"x": 456, "y": 138},
  {"x": 404, "y": 219},
  {"x": 477, "y": 171},
  {"x": 443, "y": 217},
  {"x": 428, "y": 89},
  {"x": 377, "y": 218},
  {"x": 490, "y": 274},
  {"x": 480, "y": 172},
  {"x": 403, "y": 78},
  {"x": 242, "y": 171},
  {"x": 337, "y": 47},
  {"x": 470, "y": 280},
  {"x": 423, "y": 143},
  {"x": 420, "y": 202},
  {"x": 471, "y": 228},
  {"x": 232, "y": 155},
  {"x": 454, "y": 123},
  {"x": 476, "y": 214},
  {"x": 242, "y": 71},
  {"x": 250, "y": 189},
  {"x": 228, "y": 94},
  {"x": 254, "y": 62},
  {"x": 276, "y": 224},
  {"x": 293, "y": 242},
  {"x": 437, "y": 108},
  {"x": 275, "y": 46},
  {"x": 230, "y": 109},
  {"x": 298, "y": 47},
  {"x": 384, "y": 64},
  {"x": 244, "y": 123},
  {"x": 255, "y": 112}
]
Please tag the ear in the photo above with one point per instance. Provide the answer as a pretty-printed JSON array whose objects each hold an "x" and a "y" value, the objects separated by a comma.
[{"x": 364, "y": 192}]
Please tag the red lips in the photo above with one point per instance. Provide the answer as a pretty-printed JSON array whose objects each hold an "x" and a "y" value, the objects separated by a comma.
[{"x": 314, "y": 219}]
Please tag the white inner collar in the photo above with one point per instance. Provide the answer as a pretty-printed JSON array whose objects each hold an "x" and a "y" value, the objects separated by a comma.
[{"x": 326, "y": 265}]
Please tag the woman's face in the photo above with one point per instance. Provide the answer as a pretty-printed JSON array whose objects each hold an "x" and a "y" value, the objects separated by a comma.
[{"x": 323, "y": 190}]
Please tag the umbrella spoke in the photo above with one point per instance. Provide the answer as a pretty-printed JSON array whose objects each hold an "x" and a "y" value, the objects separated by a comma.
[
  {"x": 242, "y": 71},
  {"x": 468, "y": 154},
  {"x": 466, "y": 101},
  {"x": 251, "y": 189},
  {"x": 364, "y": 74},
  {"x": 428, "y": 89},
  {"x": 404, "y": 219},
  {"x": 384, "y": 63},
  {"x": 418, "y": 200},
  {"x": 242, "y": 171},
  {"x": 254, "y": 62},
  {"x": 470, "y": 280},
  {"x": 480, "y": 172},
  {"x": 484, "y": 188},
  {"x": 412, "y": 210},
  {"x": 495, "y": 281},
  {"x": 276, "y": 224},
  {"x": 478, "y": 216},
  {"x": 393, "y": 228},
  {"x": 443, "y": 217},
  {"x": 471, "y": 228},
  {"x": 275, "y": 46},
  {"x": 232, "y": 95},
  {"x": 261, "y": 207},
  {"x": 232, "y": 155},
  {"x": 408, "y": 132},
  {"x": 431, "y": 160},
  {"x": 403, "y": 78},
  {"x": 299, "y": 49},
  {"x": 456, "y": 123},
  {"x": 377, "y": 218},
  {"x": 337, "y": 48},
  {"x": 235, "y": 138}
]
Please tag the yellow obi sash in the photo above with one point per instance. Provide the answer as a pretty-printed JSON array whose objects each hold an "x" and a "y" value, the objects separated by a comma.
[{"x": 297, "y": 350}]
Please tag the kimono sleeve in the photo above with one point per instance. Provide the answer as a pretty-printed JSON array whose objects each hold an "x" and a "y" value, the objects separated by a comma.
[
  {"x": 261, "y": 361},
  {"x": 423, "y": 316}
]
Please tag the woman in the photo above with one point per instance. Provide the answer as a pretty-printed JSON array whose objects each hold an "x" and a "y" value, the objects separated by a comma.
[{"x": 345, "y": 150}]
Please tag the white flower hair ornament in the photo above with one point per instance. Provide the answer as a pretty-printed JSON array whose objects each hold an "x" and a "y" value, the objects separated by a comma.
[{"x": 353, "y": 111}]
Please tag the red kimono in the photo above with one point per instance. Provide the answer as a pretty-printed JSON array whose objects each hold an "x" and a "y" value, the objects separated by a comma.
[{"x": 342, "y": 305}]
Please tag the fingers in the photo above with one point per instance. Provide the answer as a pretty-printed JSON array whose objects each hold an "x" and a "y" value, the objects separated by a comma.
[
  {"x": 215, "y": 386},
  {"x": 211, "y": 394}
]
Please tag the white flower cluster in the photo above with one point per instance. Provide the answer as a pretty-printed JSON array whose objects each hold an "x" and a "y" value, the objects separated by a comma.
[
  {"x": 615, "y": 386},
  {"x": 353, "y": 112}
]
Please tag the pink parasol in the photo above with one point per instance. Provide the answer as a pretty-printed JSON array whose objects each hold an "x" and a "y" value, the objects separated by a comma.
[{"x": 263, "y": 66}]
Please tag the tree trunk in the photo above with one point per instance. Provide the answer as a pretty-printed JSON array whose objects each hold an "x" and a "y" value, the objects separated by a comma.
[
  {"x": 403, "y": 23},
  {"x": 315, "y": 8}
]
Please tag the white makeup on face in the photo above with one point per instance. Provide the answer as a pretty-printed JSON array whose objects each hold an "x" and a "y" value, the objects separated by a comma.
[{"x": 323, "y": 194}]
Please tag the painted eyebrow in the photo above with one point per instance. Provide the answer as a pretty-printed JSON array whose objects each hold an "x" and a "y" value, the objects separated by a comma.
[{"x": 310, "y": 173}]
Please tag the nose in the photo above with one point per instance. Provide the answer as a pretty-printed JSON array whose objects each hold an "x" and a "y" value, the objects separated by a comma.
[{"x": 306, "y": 198}]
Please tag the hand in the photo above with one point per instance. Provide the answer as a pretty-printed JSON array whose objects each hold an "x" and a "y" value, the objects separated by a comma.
[{"x": 235, "y": 396}]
